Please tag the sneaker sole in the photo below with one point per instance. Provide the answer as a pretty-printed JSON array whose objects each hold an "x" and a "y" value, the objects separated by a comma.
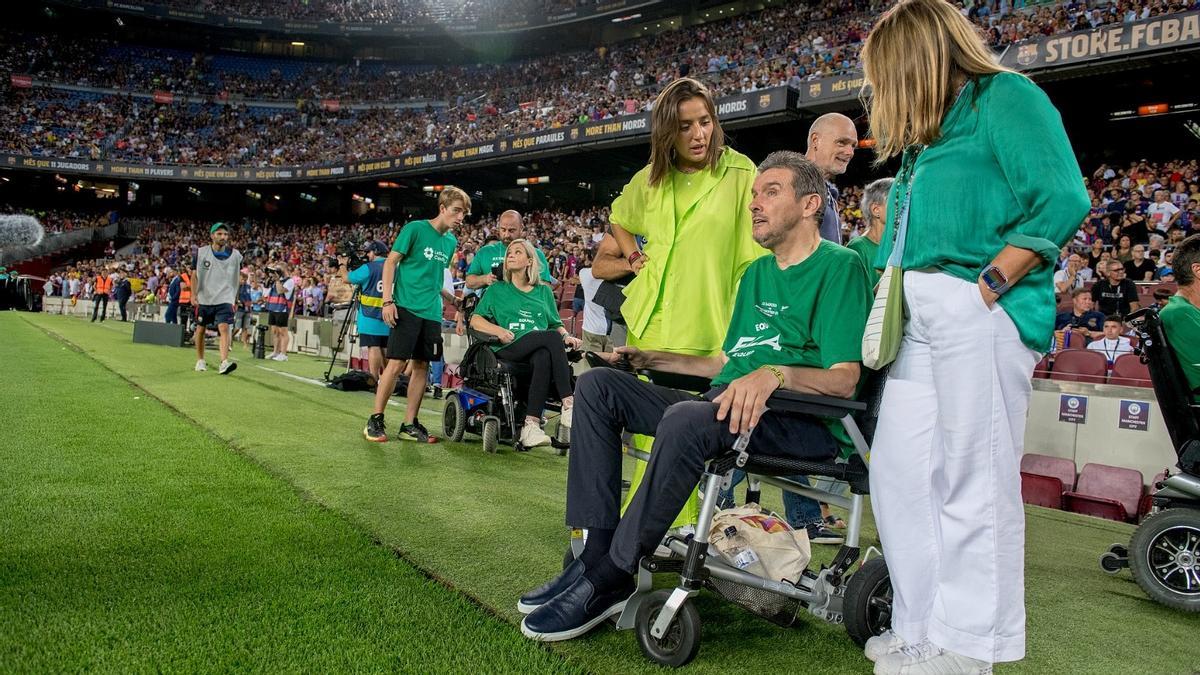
[
  {"x": 526, "y": 609},
  {"x": 574, "y": 632},
  {"x": 232, "y": 367},
  {"x": 429, "y": 441},
  {"x": 378, "y": 439}
]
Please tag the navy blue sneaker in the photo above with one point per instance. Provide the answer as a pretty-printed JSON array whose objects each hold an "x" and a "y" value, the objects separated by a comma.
[
  {"x": 575, "y": 611},
  {"x": 547, "y": 591}
]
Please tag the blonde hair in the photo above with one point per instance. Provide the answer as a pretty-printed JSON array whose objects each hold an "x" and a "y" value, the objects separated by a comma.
[
  {"x": 533, "y": 269},
  {"x": 664, "y": 126},
  {"x": 911, "y": 59},
  {"x": 451, "y": 194}
]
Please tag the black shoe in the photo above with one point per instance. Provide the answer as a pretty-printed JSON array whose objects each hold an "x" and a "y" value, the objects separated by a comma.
[
  {"x": 575, "y": 611},
  {"x": 417, "y": 432},
  {"x": 547, "y": 591},
  {"x": 375, "y": 430},
  {"x": 819, "y": 534},
  {"x": 437, "y": 393}
]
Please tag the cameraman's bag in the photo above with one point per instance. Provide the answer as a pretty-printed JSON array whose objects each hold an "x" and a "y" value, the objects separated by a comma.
[
  {"x": 782, "y": 552},
  {"x": 353, "y": 380}
]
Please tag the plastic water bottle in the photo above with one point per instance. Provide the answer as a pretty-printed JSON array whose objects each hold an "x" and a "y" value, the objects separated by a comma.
[{"x": 740, "y": 555}]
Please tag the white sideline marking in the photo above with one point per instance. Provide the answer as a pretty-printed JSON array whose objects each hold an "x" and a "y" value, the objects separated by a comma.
[{"x": 309, "y": 380}]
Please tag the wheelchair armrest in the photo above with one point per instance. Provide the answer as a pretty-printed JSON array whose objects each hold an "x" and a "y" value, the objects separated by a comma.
[
  {"x": 813, "y": 404},
  {"x": 483, "y": 338}
]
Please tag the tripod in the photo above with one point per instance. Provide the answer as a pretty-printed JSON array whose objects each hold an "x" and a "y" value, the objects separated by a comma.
[{"x": 342, "y": 332}]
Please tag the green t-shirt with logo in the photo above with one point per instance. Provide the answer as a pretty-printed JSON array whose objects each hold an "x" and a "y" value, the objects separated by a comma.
[
  {"x": 809, "y": 315},
  {"x": 1181, "y": 322},
  {"x": 866, "y": 249},
  {"x": 493, "y": 254},
  {"x": 519, "y": 311},
  {"x": 419, "y": 276}
]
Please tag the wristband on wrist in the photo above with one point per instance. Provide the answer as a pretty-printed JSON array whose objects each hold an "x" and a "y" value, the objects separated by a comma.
[
  {"x": 776, "y": 372},
  {"x": 634, "y": 257},
  {"x": 388, "y": 303}
]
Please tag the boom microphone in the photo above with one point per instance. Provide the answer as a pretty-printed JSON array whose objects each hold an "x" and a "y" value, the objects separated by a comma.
[{"x": 19, "y": 230}]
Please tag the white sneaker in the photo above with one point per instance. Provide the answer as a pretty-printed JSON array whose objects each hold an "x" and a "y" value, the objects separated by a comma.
[
  {"x": 532, "y": 435},
  {"x": 201, "y": 366},
  {"x": 281, "y": 357},
  {"x": 926, "y": 658},
  {"x": 883, "y": 644},
  {"x": 227, "y": 367}
]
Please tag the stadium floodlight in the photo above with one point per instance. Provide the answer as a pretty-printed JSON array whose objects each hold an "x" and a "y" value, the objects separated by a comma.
[{"x": 297, "y": 43}]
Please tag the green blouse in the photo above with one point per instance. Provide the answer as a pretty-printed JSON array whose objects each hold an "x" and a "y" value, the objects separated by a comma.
[{"x": 1002, "y": 173}]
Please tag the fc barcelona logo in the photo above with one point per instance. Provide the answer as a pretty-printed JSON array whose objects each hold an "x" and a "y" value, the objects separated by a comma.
[
  {"x": 444, "y": 155},
  {"x": 574, "y": 134},
  {"x": 503, "y": 146},
  {"x": 764, "y": 100},
  {"x": 814, "y": 89},
  {"x": 1027, "y": 54}
]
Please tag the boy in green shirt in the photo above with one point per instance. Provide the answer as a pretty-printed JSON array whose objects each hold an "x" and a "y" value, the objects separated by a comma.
[
  {"x": 412, "y": 307},
  {"x": 797, "y": 324},
  {"x": 509, "y": 227},
  {"x": 874, "y": 208},
  {"x": 1181, "y": 316}
]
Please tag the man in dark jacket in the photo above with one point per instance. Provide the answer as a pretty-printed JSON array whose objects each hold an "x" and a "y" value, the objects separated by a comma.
[{"x": 122, "y": 290}]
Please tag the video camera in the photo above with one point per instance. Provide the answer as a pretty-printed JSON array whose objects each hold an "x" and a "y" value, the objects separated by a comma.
[{"x": 353, "y": 250}]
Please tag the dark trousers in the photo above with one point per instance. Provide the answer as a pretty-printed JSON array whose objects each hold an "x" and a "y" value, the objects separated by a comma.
[
  {"x": 121, "y": 306},
  {"x": 686, "y": 435},
  {"x": 96, "y": 301},
  {"x": 545, "y": 352},
  {"x": 172, "y": 315}
]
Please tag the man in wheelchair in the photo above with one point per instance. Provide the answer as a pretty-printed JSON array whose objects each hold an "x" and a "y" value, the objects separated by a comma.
[
  {"x": 797, "y": 324},
  {"x": 521, "y": 314},
  {"x": 1181, "y": 315}
]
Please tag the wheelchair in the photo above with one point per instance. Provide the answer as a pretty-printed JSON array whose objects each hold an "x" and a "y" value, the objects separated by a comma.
[
  {"x": 1164, "y": 552},
  {"x": 489, "y": 403},
  {"x": 667, "y": 623}
]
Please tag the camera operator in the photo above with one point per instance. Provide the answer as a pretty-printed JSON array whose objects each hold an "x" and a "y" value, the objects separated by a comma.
[
  {"x": 372, "y": 331},
  {"x": 281, "y": 289}
]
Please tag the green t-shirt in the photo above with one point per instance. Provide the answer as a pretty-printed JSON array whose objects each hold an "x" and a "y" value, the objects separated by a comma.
[
  {"x": 1181, "y": 321},
  {"x": 519, "y": 311},
  {"x": 419, "y": 276},
  {"x": 866, "y": 249},
  {"x": 810, "y": 315},
  {"x": 493, "y": 254}
]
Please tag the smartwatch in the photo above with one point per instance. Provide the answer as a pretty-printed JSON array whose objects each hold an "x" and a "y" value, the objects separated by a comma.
[{"x": 994, "y": 279}]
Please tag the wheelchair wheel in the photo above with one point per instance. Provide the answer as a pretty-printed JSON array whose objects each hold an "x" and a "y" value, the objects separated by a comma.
[
  {"x": 1164, "y": 556},
  {"x": 867, "y": 604},
  {"x": 1112, "y": 563},
  {"x": 454, "y": 418},
  {"x": 682, "y": 640},
  {"x": 491, "y": 434}
]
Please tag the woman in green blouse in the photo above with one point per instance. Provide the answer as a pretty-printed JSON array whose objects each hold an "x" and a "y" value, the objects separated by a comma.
[
  {"x": 988, "y": 192},
  {"x": 521, "y": 312}
]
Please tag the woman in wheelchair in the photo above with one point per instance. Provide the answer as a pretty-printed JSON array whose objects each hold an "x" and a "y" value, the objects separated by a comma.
[{"x": 521, "y": 314}]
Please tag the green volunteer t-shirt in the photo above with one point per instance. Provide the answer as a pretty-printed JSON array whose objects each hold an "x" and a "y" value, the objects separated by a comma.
[
  {"x": 866, "y": 249},
  {"x": 419, "y": 276},
  {"x": 1181, "y": 321},
  {"x": 493, "y": 254},
  {"x": 519, "y": 311},
  {"x": 809, "y": 315}
]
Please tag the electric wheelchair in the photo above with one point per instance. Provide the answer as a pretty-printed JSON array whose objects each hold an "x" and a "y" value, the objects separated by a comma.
[
  {"x": 490, "y": 402},
  {"x": 849, "y": 592},
  {"x": 1164, "y": 552}
]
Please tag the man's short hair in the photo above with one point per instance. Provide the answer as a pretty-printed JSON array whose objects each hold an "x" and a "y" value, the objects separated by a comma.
[
  {"x": 876, "y": 192},
  {"x": 451, "y": 194},
  {"x": 1116, "y": 318},
  {"x": 1115, "y": 264},
  {"x": 806, "y": 177},
  {"x": 1081, "y": 291},
  {"x": 1187, "y": 253}
]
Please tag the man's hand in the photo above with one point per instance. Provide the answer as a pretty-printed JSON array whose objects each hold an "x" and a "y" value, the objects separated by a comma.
[
  {"x": 460, "y": 328},
  {"x": 489, "y": 280},
  {"x": 506, "y": 336},
  {"x": 572, "y": 342},
  {"x": 638, "y": 264},
  {"x": 389, "y": 315},
  {"x": 195, "y": 300},
  {"x": 636, "y": 358},
  {"x": 745, "y": 400}
]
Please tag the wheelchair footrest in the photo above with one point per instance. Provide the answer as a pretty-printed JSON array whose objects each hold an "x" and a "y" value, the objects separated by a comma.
[{"x": 662, "y": 565}]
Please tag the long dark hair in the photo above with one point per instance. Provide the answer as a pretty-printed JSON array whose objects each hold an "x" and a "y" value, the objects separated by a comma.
[{"x": 664, "y": 126}]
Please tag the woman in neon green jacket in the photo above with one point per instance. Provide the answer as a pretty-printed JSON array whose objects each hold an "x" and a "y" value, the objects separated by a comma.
[
  {"x": 988, "y": 191},
  {"x": 691, "y": 203}
]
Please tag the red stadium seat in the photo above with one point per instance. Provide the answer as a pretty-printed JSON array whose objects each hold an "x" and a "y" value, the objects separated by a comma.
[
  {"x": 1054, "y": 467},
  {"x": 1128, "y": 370},
  {"x": 1147, "y": 502},
  {"x": 1042, "y": 370},
  {"x": 1041, "y": 490},
  {"x": 1080, "y": 365},
  {"x": 1110, "y": 492}
]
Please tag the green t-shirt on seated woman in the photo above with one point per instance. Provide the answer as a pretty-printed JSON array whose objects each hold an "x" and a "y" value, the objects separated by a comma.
[{"x": 519, "y": 311}]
